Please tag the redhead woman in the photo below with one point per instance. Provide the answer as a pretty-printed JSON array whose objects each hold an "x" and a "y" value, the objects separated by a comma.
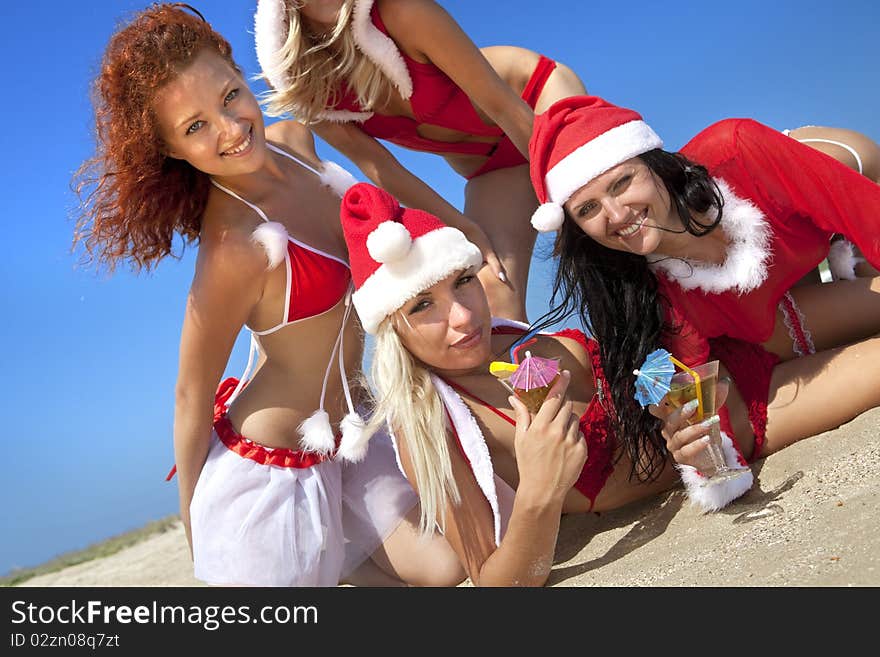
[{"x": 271, "y": 494}]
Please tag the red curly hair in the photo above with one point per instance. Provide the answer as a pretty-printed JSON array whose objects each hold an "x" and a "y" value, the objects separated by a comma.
[{"x": 133, "y": 197}]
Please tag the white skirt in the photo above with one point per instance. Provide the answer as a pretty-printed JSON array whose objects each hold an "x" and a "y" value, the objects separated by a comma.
[{"x": 269, "y": 525}]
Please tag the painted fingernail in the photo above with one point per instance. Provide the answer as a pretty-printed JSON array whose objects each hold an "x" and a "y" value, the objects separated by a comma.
[
  {"x": 690, "y": 407},
  {"x": 710, "y": 421},
  {"x": 502, "y": 276}
]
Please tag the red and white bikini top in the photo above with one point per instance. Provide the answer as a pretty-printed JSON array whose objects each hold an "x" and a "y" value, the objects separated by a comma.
[
  {"x": 316, "y": 280},
  {"x": 434, "y": 97},
  {"x": 316, "y": 283}
]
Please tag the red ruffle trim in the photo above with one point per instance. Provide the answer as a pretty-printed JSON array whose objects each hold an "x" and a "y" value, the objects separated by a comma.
[{"x": 279, "y": 457}]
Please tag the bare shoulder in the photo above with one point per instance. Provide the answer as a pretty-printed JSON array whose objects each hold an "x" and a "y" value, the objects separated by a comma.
[
  {"x": 226, "y": 241},
  {"x": 569, "y": 347},
  {"x": 403, "y": 17},
  {"x": 295, "y": 137}
]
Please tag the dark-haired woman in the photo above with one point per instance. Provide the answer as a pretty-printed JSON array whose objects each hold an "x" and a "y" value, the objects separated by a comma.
[
  {"x": 266, "y": 496},
  {"x": 698, "y": 251}
]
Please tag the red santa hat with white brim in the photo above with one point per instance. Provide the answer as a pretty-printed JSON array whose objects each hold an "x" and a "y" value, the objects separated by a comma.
[
  {"x": 395, "y": 253},
  {"x": 575, "y": 140}
]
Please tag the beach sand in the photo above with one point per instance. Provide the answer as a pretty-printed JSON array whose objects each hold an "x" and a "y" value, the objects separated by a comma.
[{"x": 812, "y": 519}]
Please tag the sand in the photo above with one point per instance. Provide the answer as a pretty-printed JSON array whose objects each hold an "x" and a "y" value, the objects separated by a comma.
[{"x": 812, "y": 519}]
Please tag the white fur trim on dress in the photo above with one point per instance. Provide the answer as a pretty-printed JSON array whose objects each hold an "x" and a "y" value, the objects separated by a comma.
[
  {"x": 355, "y": 438},
  {"x": 432, "y": 258},
  {"x": 343, "y": 116},
  {"x": 379, "y": 47},
  {"x": 317, "y": 434},
  {"x": 272, "y": 236},
  {"x": 270, "y": 32},
  {"x": 842, "y": 260},
  {"x": 474, "y": 445},
  {"x": 716, "y": 496},
  {"x": 597, "y": 156},
  {"x": 336, "y": 178},
  {"x": 548, "y": 217},
  {"x": 748, "y": 254}
]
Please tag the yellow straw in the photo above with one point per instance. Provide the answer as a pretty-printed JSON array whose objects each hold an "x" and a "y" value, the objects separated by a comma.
[{"x": 696, "y": 382}]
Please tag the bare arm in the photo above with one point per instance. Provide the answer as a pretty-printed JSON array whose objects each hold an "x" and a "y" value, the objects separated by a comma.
[
  {"x": 385, "y": 171},
  {"x": 227, "y": 284},
  {"x": 550, "y": 454},
  {"x": 425, "y": 27}
]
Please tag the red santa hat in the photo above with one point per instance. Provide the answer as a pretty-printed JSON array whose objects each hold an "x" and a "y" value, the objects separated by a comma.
[
  {"x": 575, "y": 140},
  {"x": 396, "y": 252}
]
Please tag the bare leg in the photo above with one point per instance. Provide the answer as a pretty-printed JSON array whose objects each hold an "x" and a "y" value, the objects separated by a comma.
[
  {"x": 867, "y": 163},
  {"x": 836, "y": 314},
  {"x": 820, "y": 392},
  {"x": 407, "y": 557},
  {"x": 502, "y": 202},
  {"x": 815, "y": 393},
  {"x": 867, "y": 149}
]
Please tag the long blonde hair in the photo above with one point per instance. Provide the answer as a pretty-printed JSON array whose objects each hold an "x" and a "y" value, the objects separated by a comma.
[
  {"x": 409, "y": 402},
  {"x": 314, "y": 70}
]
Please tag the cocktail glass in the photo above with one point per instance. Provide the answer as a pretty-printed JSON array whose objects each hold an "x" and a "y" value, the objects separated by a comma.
[{"x": 682, "y": 389}]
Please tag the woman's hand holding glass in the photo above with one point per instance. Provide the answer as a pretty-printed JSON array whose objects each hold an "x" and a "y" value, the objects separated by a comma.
[
  {"x": 550, "y": 450},
  {"x": 687, "y": 443}
]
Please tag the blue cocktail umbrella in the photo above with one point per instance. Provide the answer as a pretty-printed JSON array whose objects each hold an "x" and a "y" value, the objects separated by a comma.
[{"x": 653, "y": 377}]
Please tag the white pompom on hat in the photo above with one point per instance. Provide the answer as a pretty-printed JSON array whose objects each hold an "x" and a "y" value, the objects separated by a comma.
[
  {"x": 575, "y": 140},
  {"x": 396, "y": 253}
]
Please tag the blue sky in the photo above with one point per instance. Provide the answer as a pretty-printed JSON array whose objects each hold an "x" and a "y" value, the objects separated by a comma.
[{"x": 88, "y": 396}]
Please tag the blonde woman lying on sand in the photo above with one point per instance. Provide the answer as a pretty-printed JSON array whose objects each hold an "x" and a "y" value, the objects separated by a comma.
[{"x": 493, "y": 477}]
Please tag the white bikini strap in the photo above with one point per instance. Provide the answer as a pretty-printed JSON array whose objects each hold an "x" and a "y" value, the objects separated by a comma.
[
  {"x": 246, "y": 202},
  {"x": 254, "y": 348},
  {"x": 342, "y": 373},
  {"x": 338, "y": 345},
  {"x": 281, "y": 151},
  {"x": 838, "y": 143},
  {"x": 251, "y": 205}
]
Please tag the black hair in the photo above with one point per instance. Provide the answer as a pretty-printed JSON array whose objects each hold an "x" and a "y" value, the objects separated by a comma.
[{"x": 617, "y": 299}]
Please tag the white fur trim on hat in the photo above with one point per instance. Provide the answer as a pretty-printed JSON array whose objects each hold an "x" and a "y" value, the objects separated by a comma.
[
  {"x": 272, "y": 236},
  {"x": 432, "y": 258},
  {"x": 389, "y": 242},
  {"x": 270, "y": 32},
  {"x": 379, "y": 47},
  {"x": 748, "y": 255},
  {"x": 548, "y": 217},
  {"x": 336, "y": 178},
  {"x": 842, "y": 260},
  {"x": 713, "y": 497},
  {"x": 597, "y": 156}
]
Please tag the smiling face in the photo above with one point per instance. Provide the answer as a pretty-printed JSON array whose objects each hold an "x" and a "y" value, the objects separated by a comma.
[
  {"x": 208, "y": 117},
  {"x": 623, "y": 208},
  {"x": 448, "y": 326}
]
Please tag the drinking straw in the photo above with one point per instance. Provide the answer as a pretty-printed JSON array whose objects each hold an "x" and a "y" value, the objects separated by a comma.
[{"x": 696, "y": 377}]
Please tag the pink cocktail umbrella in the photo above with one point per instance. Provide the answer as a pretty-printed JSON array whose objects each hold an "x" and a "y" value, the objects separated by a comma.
[
  {"x": 532, "y": 380},
  {"x": 534, "y": 372}
]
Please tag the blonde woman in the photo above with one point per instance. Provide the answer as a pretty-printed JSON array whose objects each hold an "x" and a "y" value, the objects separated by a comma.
[
  {"x": 494, "y": 478},
  {"x": 358, "y": 71}
]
